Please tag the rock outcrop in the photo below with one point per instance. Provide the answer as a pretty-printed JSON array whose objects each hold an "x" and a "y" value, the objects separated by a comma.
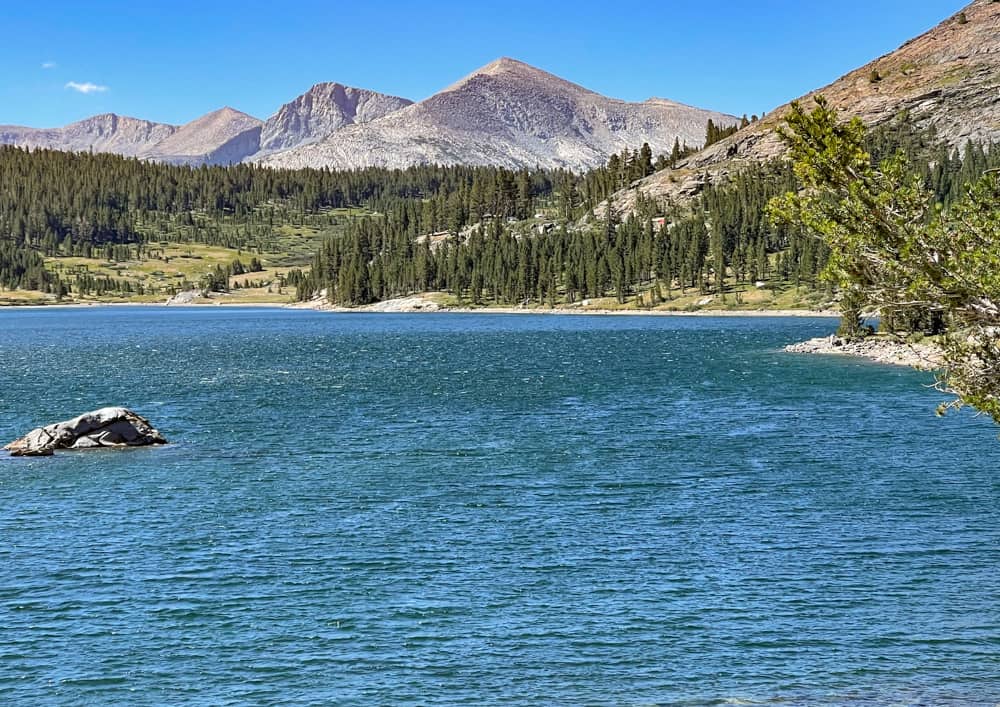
[
  {"x": 108, "y": 427},
  {"x": 925, "y": 357},
  {"x": 946, "y": 80},
  {"x": 183, "y": 298}
]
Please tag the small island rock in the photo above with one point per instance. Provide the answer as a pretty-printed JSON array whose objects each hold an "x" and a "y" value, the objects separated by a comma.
[{"x": 107, "y": 427}]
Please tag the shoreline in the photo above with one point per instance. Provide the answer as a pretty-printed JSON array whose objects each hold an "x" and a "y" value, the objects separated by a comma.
[
  {"x": 735, "y": 313},
  {"x": 921, "y": 356},
  {"x": 422, "y": 304},
  {"x": 426, "y": 307},
  {"x": 164, "y": 305}
]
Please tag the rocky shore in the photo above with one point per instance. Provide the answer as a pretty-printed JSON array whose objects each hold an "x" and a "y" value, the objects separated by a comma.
[
  {"x": 925, "y": 357},
  {"x": 428, "y": 303}
]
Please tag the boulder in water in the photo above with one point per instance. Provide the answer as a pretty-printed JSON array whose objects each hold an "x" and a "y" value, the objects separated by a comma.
[{"x": 104, "y": 428}]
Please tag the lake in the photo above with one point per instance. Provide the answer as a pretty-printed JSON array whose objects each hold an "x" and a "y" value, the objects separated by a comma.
[{"x": 483, "y": 509}]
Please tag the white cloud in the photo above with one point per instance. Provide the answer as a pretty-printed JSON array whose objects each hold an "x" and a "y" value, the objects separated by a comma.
[
  {"x": 86, "y": 87},
  {"x": 49, "y": 65}
]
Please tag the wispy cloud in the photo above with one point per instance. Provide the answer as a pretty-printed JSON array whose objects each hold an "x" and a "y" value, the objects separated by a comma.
[
  {"x": 86, "y": 87},
  {"x": 49, "y": 65}
]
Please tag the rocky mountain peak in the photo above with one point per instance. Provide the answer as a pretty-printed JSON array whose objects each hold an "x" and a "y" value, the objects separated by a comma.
[
  {"x": 511, "y": 74},
  {"x": 505, "y": 64},
  {"x": 509, "y": 114},
  {"x": 202, "y": 139},
  {"x": 323, "y": 109}
]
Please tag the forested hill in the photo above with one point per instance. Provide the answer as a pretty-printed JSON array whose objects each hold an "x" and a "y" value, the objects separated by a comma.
[
  {"x": 57, "y": 206},
  {"x": 50, "y": 198},
  {"x": 73, "y": 224},
  {"x": 720, "y": 247},
  {"x": 79, "y": 205}
]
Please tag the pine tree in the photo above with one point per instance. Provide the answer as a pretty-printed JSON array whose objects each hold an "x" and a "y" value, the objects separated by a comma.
[
  {"x": 675, "y": 152},
  {"x": 645, "y": 160}
]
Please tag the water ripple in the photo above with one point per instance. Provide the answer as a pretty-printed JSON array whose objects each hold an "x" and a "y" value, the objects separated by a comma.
[{"x": 483, "y": 509}]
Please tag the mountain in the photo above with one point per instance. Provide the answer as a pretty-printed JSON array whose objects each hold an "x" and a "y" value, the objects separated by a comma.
[
  {"x": 224, "y": 136},
  {"x": 947, "y": 79},
  {"x": 507, "y": 114},
  {"x": 101, "y": 133},
  {"x": 322, "y": 109}
]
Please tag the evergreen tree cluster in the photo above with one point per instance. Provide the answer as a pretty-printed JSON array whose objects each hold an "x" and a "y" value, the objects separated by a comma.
[
  {"x": 218, "y": 279},
  {"x": 946, "y": 172},
  {"x": 725, "y": 234},
  {"x": 106, "y": 206},
  {"x": 474, "y": 231},
  {"x": 23, "y": 269},
  {"x": 51, "y": 199},
  {"x": 621, "y": 170},
  {"x": 714, "y": 133}
]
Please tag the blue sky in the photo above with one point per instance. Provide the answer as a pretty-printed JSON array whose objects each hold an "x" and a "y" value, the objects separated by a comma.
[{"x": 61, "y": 61}]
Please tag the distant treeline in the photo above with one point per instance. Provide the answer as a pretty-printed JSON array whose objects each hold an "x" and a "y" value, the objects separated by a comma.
[
  {"x": 723, "y": 233},
  {"x": 381, "y": 258},
  {"x": 107, "y": 206},
  {"x": 91, "y": 205},
  {"x": 483, "y": 233},
  {"x": 50, "y": 198}
]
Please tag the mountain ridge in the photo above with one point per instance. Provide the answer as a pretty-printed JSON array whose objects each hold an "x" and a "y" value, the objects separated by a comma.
[
  {"x": 947, "y": 78},
  {"x": 506, "y": 113},
  {"x": 509, "y": 114},
  {"x": 105, "y": 132}
]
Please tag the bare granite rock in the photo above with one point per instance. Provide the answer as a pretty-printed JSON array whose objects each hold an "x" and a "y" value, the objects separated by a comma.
[
  {"x": 924, "y": 357},
  {"x": 183, "y": 298},
  {"x": 322, "y": 109},
  {"x": 945, "y": 79},
  {"x": 223, "y": 137},
  {"x": 107, "y": 427},
  {"x": 506, "y": 114},
  {"x": 101, "y": 133}
]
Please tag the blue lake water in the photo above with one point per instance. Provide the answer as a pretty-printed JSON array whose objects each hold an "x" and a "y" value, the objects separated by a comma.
[{"x": 466, "y": 509}]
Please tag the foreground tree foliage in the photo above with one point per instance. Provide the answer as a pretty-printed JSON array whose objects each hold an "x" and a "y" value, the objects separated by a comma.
[{"x": 896, "y": 249}]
